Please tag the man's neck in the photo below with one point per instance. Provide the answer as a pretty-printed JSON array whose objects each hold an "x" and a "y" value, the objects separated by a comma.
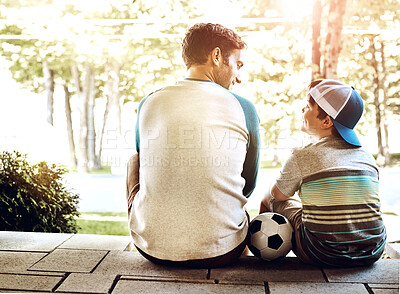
[{"x": 200, "y": 72}]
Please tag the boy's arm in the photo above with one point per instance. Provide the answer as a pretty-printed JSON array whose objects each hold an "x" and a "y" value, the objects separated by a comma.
[
  {"x": 273, "y": 193},
  {"x": 277, "y": 194}
]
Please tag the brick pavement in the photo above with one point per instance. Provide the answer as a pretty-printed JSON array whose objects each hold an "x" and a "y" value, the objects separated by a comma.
[{"x": 66, "y": 263}]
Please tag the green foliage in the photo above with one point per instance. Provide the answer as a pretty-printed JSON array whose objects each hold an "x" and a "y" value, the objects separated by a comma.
[{"x": 33, "y": 196}]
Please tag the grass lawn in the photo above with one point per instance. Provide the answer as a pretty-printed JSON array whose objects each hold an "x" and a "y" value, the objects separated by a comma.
[
  {"x": 99, "y": 227},
  {"x": 101, "y": 223}
]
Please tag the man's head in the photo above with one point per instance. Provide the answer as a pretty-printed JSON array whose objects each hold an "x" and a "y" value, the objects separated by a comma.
[
  {"x": 339, "y": 106},
  {"x": 216, "y": 46}
]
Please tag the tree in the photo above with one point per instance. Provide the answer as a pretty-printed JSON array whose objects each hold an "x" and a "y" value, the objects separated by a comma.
[
  {"x": 36, "y": 65},
  {"x": 332, "y": 45},
  {"x": 70, "y": 131},
  {"x": 277, "y": 76},
  {"x": 48, "y": 74},
  {"x": 380, "y": 107},
  {"x": 135, "y": 60},
  {"x": 316, "y": 40},
  {"x": 366, "y": 53}
]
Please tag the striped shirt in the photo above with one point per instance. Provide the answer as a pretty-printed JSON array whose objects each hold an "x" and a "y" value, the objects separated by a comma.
[
  {"x": 199, "y": 154},
  {"x": 339, "y": 189}
]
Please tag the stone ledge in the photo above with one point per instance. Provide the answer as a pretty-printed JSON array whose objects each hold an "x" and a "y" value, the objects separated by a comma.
[
  {"x": 393, "y": 250},
  {"x": 63, "y": 263}
]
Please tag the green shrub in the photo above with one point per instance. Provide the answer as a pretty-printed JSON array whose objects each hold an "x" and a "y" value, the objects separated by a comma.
[{"x": 33, "y": 196}]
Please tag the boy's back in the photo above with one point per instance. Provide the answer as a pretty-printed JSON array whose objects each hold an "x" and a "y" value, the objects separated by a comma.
[{"x": 341, "y": 219}]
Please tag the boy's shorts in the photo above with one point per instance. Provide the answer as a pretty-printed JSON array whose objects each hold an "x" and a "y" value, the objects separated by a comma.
[{"x": 292, "y": 209}]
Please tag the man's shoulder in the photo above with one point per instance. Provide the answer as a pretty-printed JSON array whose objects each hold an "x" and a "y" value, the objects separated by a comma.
[
  {"x": 245, "y": 102},
  {"x": 248, "y": 107}
]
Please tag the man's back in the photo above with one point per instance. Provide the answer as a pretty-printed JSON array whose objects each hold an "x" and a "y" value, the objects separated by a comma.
[{"x": 193, "y": 143}]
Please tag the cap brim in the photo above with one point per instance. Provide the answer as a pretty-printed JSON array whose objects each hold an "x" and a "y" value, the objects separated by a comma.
[{"x": 347, "y": 134}]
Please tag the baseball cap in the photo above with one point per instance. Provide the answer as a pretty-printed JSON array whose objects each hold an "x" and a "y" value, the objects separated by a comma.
[{"x": 343, "y": 104}]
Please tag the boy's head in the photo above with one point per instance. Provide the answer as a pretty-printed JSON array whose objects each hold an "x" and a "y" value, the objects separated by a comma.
[{"x": 341, "y": 103}]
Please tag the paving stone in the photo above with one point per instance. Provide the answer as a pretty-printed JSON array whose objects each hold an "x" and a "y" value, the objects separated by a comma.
[
  {"x": 87, "y": 283},
  {"x": 393, "y": 250},
  {"x": 65, "y": 260},
  {"x": 385, "y": 291},
  {"x": 384, "y": 286},
  {"x": 133, "y": 264},
  {"x": 381, "y": 272},
  {"x": 12, "y": 262},
  {"x": 28, "y": 282},
  {"x": 167, "y": 279},
  {"x": 253, "y": 269},
  {"x": 317, "y": 288},
  {"x": 162, "y": 287},
  {"x": 97, "y": 242},
  {"x": 29, "y": 241},
  {"x": 31, "y": 292},
  {"x": 18, "y": 262}
]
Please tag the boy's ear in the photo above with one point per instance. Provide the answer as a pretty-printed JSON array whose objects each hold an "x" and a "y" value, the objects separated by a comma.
[{"x": 327, "y": 122}]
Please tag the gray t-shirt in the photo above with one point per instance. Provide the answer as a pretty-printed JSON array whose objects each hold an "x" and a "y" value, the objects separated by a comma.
[
  {"x": 339, "y": 189},
  {"x": 328, "y": 154}
]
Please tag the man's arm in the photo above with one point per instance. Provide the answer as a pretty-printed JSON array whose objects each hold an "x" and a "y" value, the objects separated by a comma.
[
  {"x": 132, "y": 180},
  {"x": 252, "y": 160}
]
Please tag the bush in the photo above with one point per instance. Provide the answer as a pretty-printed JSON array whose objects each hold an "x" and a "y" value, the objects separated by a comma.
[{"x": 33, "y": 197}]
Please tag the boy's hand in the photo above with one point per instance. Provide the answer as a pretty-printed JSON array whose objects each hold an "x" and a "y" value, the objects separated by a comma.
[
  {"x": 263, "y": 208},
  {"x": 265, "y": 205}
]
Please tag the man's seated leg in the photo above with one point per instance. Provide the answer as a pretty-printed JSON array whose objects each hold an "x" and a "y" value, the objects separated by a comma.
[{"x": 213, "y": 262}]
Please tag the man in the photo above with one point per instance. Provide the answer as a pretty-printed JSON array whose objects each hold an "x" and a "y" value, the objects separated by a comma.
[
  {"x": 338, "y": 220},
  {"x": 197, "y": 158}
]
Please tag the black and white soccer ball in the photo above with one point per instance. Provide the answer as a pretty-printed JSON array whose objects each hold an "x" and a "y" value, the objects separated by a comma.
[{"x": 271, "y": 236}]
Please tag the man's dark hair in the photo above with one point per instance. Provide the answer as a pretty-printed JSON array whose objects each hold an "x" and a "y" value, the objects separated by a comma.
[
  {"x": 321, "y": 113},
  {"x": 202, "y": 38}
]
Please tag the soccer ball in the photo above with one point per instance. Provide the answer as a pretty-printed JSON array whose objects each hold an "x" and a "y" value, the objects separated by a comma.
[{"x": 271, "y": 236}]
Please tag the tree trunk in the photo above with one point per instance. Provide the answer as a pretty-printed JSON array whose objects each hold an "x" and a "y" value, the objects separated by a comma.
[
  {"x": 316, "y": 40},
  {"x": 112, "y": 113},
  {"x": 48, "y": 74},
  {"x": 378, "y": 119},
  {"x": 113, "y": 77},
  {"x": 333, "y": 38},
  {"x": 386, "y": 152},
  {"x": 70, "y": 131},
  {"x": 103, "y": 129},
  {"x": 83, "y": 130},
  {"x": 90, "y": 96}
]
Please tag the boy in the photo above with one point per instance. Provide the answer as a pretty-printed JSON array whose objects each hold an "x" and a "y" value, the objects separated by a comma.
[{"x": 338, "y": 220}]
